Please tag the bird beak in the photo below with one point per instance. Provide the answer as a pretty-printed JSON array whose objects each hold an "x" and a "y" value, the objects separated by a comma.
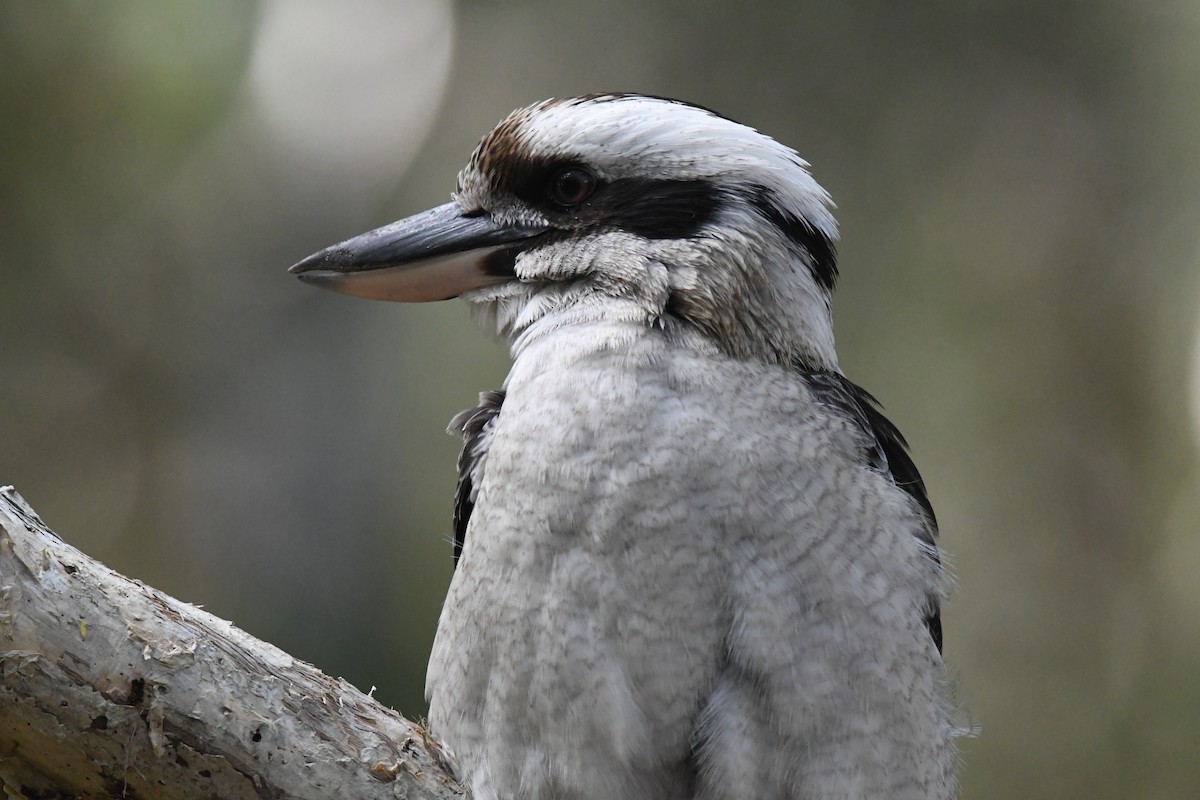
[{"x": 435, "y": 255}]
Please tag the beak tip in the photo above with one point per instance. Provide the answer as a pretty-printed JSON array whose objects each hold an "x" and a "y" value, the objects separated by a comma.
[{"x": 315, "y": 261}]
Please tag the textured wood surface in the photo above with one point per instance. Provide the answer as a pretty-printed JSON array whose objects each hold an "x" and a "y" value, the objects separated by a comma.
[{"x": 110, "y": 688}]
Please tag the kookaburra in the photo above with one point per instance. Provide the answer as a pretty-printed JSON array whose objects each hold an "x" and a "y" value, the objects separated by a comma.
[{"x": 693, "y": 559}]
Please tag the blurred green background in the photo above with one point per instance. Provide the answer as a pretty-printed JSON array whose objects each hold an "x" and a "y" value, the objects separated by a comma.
[{"x": 1019, "y": 193}]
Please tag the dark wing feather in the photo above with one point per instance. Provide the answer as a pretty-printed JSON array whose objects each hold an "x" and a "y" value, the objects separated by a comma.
[
  {"x": 887, "y": 452},
  {"x": 475, "y": 426}
]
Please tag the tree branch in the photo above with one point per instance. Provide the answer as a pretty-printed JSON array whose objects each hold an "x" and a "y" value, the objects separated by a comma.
[{"x": 111, "y": 689}]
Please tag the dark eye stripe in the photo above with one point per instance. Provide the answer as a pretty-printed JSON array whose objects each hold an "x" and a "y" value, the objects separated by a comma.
[
  {"x": 658, "y": 208},
  {"x": 654, "y": 209},
  {"x": 820, "y": 248}
]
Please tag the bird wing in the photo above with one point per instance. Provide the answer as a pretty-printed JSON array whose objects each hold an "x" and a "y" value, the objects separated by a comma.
[
  {"x": 886, "y": 451},
  {"x": 475, "y": 426}
]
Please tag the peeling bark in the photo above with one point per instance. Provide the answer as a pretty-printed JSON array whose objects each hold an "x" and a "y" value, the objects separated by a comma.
[{"x": 111, "y": 689}]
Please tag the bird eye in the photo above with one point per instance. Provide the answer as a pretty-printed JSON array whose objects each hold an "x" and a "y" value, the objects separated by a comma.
[{"x": 571, "y": 186}]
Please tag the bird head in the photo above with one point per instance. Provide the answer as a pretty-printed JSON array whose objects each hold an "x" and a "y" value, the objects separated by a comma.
[{"x": 618, "y": 208}]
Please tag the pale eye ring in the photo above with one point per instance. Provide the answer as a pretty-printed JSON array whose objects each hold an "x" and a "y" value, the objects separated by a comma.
[{"x": 571, "y": 186}]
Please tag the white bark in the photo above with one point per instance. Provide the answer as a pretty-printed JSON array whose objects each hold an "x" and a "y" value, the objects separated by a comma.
[{"x": 110, "y": 688}]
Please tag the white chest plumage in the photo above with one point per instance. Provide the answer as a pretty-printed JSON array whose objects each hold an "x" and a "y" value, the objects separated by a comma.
[{"x": 673, "y": 590}]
